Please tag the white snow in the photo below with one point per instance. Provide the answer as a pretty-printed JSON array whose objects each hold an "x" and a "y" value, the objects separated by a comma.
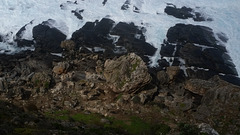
[{"x": 14, "y": 14}]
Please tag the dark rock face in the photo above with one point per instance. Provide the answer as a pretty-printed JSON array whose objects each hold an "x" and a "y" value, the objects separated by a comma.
[
  {"x": 1, "y": 38},
  {"x": 196, "y": 48},
  {"x": 48, "y": 38},
  {"x": 185, "y": 13},
  {"x": 77, "y": 13},
  {"x": 123, "y": 38},
  {"x": 132, "y": 39},
  {"x": 126, "y": 4},
  {"x": 191, "y": 34},
  {"x": 64, "y": 6},
  {"x": 94, "y": 34},
  {"x": 104, "y": 2},
  {"x": 20, "y": 41}
]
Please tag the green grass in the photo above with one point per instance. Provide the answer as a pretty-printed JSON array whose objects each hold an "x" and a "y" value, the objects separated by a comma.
[
  {"x": 24, "y": 131},
  {"x": 132, "y": 125},
  {"x": 87, "y": 118}
]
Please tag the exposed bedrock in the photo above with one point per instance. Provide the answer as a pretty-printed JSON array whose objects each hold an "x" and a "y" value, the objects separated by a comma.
[
  {"x": 185, "y": 13},
  {"x": 113, "y": 39},
  {"x": 1, "y": 38},
  {"x": 48, "y": 37},
  {"x": 197, "y": 51},
  {"x": 19, "y": 37}
]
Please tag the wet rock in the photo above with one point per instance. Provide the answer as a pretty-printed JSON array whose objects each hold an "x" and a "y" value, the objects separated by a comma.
[
  {"x": 128, "y": 34},
  {"x": 197, "y": 52},
  {"x": 126, "y": 74},
  {"x": 197, "y": 34},
  {"x": 104, "y": 2},
  {"x": 77, "y": 13},
  {"x": 212, "y": 58},
  {"x": 111, "y": 40},
  {"x": 21, "y": 42},
  {"x": 47, "y": 37},
  {"x": 94, "y": 34},
  {"x": 185, "y": 13},
  {"x": 1, "y": 38},
  {"x": 126, "y": 4},
  {"x": 199, "y": 86}
]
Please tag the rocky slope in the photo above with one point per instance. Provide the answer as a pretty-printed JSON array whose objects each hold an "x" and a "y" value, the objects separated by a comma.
[{"x": 101, "y": 82}]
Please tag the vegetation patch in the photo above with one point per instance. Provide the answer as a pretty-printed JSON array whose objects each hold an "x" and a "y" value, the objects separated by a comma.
[
  {"x": 24, "y": 131},
  {"x": 132, "y": 125},
  {"x": 187, "y": 129}
]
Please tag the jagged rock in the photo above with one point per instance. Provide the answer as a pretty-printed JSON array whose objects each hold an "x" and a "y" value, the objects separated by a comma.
[
  {"x": 48, "y": 38},
  {"x": 132, "y": 39},
  {"x": 173, "y": 72},
  {"x": 127, "y": 73},
  {"x": 104, "y": 2},
  {"x": 2, "y": 85},
  {"x": 77, "y": 13},
  {"x": 68, "y": 45},
  {"x": 197, "y": 51},
  {"x": 111, "y": 40},
  {"x": 185, "y": 13},
  {"x": 221, "y": 104},
  {"x": 126, "y": 4},
  {"x": 162, "y": 77},
  {"x": 94, "y": 34},
  {"x": 197, "y": 34},
  {"x": 199, "y": 86},
  {"x": 210, "y": 58},
  {"x": 61, "y": 67},
  {"x": 147, "y": 95},
  {"x": 21, "y": 42},
  {"x": 1, "y": 38},
  {"x": 206, "y": 128}
]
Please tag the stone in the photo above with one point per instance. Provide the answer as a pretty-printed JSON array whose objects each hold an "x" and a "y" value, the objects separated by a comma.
[
  {"x": 68, "y": 45},
  {"x": 206, "y": 128},
  {"x": 2, "y": 85},
  {"x": 162, "y": 77},
  {"x": 126, "y": 74},
  {"x": 124, "y": 38},
  {"x": 221, "y": 104},
  {"x": 77, "y": 13},
  {"x": 61, "y": 67},
  {"x": 185, "y": 13},
  {"x": 199, "y": 86},
  {"x": 148, "y": 95},
  {"x": 42, "y": 81},
  {"x": 47, "y": 37},
  {"x": 197, "y": 34},
  {"x": 126, "y": 5},
  {"x": 173, "y": 72},
  {"x": 21, "y": 42}
]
